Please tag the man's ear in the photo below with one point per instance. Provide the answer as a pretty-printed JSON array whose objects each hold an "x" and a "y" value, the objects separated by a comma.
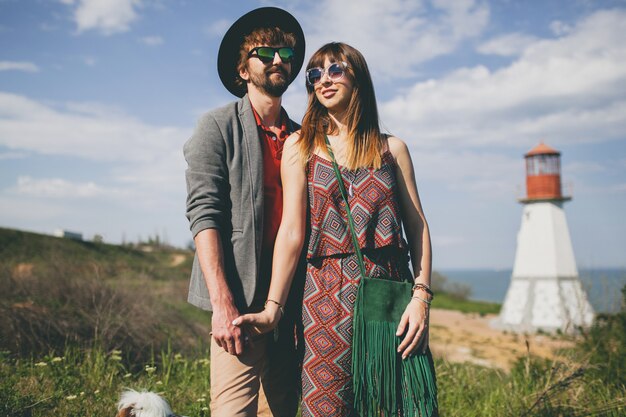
[{"x": 244, "y": 74}]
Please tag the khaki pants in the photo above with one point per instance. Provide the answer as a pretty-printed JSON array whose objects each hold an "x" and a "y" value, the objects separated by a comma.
[{"x": 263, "y": 381}]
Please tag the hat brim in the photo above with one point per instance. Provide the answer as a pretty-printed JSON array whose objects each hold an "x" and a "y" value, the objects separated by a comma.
[{"x": 264, "y": 17}]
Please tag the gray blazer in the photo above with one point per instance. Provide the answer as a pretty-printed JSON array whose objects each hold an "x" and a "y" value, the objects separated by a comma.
[{"x": 225, "y": 192}]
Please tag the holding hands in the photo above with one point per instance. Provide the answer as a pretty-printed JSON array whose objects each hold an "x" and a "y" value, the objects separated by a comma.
[
  {"x": 264, "y": 321},
  {"x": 227, "y": 336}
]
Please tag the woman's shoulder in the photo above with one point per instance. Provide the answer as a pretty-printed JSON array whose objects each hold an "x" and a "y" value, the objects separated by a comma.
[
  {"x": 293, "y": 138},
  {"x": 396, "y": 146}
]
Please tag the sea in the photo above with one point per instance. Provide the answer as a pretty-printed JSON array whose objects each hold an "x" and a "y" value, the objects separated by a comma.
[{"x": 603, "y": 286}]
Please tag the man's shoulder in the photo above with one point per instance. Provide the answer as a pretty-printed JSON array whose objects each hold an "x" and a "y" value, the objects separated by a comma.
[
  {"x": 226, "y": 111},
  {"x": 294, "y": 126}
]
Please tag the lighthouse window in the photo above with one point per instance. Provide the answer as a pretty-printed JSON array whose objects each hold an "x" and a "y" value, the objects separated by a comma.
[{"x": 543, "y": 165}]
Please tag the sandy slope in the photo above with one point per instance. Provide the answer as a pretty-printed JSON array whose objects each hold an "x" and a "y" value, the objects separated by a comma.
[{"x": 460, "y": 337}]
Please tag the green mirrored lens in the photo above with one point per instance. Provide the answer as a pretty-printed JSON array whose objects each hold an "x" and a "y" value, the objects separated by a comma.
[
  {"x": 265, "y": 53},
  {"x": 286, "y": 54}
]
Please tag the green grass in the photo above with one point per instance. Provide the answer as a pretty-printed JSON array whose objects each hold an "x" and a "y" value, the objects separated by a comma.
[
  {"x": 89, "y": 382},
  {"x": 449, "y": 302}
]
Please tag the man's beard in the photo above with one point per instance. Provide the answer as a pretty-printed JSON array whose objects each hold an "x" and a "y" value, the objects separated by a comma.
[{"x": 274, "y": 87}]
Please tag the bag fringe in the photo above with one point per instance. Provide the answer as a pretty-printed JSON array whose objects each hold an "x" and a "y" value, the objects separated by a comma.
[{"x": 384, "y": 384}]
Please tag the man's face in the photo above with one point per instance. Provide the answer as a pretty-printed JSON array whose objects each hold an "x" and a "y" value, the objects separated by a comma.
[{"x": 271, "y": 78}]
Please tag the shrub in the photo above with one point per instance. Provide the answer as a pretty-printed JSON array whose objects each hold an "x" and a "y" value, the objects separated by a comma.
[
  {"x": 458, "y": 291},
  {"x": 45, "y": 309},
  {"x": 605, "y": 345}
]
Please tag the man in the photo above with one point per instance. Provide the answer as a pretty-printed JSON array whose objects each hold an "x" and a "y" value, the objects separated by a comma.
[{"x": 234, "y": 205}]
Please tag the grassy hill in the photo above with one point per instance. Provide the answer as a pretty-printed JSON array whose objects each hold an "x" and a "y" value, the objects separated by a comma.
[
  {"x": 39, "y": 250},
  {"x": 58, "y": 292}
]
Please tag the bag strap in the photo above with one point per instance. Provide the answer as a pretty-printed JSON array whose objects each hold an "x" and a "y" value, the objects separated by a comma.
[{"x": 342, "y": 188}]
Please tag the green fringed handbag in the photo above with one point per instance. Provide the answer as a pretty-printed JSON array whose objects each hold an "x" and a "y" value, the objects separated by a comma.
[{"x": 384, "y": 385}]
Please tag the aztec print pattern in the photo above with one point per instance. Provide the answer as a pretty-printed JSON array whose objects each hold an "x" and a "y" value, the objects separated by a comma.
[
  {"x": 329, "y": 295},
  {"x": 373, "y": 202},
  {"x": 333, "y": 274}
]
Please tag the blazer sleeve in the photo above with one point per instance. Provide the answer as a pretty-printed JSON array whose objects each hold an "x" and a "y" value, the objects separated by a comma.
[{"x": 206, "y": 176}]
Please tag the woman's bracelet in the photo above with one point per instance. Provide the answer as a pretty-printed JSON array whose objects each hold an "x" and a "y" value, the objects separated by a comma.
[
  {"x": 280, "y": 306},
  {"x": 424, "y": 287},
  {"x": 421, "y": 299}
]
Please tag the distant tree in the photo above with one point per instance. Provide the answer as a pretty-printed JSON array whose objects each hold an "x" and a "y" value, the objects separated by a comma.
[{"x": 440, "y": 283}]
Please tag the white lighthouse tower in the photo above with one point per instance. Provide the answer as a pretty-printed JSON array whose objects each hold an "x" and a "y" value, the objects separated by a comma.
[{"x": 545, "y": 292}]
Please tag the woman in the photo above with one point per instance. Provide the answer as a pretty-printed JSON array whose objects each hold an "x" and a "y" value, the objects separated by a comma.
[{"x": 378, "y": 173}]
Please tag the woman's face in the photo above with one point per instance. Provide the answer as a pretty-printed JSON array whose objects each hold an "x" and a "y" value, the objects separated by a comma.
[{"x": 334, "y": 94}]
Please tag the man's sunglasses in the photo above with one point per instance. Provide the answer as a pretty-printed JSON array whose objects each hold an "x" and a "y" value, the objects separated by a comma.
[
  {"x": 335, "y": 72},
  {"x": 266, "y": 53}
]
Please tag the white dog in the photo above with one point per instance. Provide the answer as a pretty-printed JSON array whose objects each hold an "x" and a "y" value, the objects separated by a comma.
[{"x": 143, "y": 404}]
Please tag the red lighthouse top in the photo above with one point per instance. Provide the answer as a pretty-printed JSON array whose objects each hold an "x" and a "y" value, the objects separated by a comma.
[
  {"x": 542, "y": 149},
  {"x": 543, "y": 175}
]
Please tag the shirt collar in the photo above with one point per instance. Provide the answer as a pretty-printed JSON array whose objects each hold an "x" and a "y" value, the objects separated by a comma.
[{"x": 284, "y": 120}]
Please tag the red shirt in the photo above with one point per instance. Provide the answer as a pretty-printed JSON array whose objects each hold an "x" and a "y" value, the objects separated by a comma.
[{"x": 272, "y": 185}]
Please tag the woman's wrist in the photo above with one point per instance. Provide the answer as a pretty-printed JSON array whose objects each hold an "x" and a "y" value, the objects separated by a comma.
[
  {"x": 424, "y": 301},
  {"x": 275, "y": 308},
  {"x": 422, "y": 290}
]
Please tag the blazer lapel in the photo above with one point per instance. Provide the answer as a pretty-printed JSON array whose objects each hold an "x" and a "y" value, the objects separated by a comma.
[{"x": 253, "y": 153}]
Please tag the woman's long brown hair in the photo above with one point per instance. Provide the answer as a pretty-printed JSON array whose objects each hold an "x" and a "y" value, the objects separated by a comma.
[{"x": 366, "y": 144}]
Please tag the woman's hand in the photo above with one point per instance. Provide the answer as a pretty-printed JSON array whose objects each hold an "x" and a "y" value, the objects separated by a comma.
[
  {"x": 262, "y": 322},
  {"x": 414, "y": 322}
]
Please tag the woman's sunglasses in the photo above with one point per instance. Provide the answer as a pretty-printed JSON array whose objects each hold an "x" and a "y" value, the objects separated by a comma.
[
  {"x": 266, "y": 53},
  {"x": 335, "y": 72}
]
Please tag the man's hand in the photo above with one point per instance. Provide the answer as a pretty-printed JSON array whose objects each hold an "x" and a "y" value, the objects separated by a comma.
[{"x": 229, "y": 337}]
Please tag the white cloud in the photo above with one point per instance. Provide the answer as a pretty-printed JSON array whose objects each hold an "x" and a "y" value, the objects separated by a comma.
[
  {"x": 559, "y": 90},
  {"x": 446, "y": 241},
  {"x": 619, "y": 188},
  {"x": 47, "y": 27},
  {"x": 218, "y": 28},
  {"x": 60, "y": 188},
  {"x": 397, "y": 35},
  {"x": 24, "y": 212},
  {"x": 90, "y": 61},
  {"x": 12, "y": 155},
  {"x": 486, "y": 174},
  {"x": 106, "y": 16},
  {"x": 584, "y": 167},
  {"x": 507, "y": 45},
  {"x": 143, "y": 185},
  {"x": 151, "y": 40},
  {"x": 18, "y": 66},
  {"x": 145, "y": 162},
  {"x": 559, "y": 28},
  {"x": 85, "y": 130}
]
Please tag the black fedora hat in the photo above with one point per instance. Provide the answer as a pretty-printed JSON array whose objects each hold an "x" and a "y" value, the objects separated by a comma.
[{"x": 264, "y": 17}]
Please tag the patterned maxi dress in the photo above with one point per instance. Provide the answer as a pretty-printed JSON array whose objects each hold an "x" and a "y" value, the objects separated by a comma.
[{"x": 333, "y": 273}]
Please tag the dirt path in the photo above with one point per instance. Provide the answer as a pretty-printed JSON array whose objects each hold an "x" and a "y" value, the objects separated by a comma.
[
  {"x": 177, "y": 259},
  {"x": 461, "y": 337}
]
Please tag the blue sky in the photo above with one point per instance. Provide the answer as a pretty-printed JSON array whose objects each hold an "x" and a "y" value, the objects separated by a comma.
[{"x": 97, "y": 98}]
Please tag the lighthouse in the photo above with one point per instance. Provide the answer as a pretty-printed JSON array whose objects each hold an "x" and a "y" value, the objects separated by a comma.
[{"x": 545, "y": 292}]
